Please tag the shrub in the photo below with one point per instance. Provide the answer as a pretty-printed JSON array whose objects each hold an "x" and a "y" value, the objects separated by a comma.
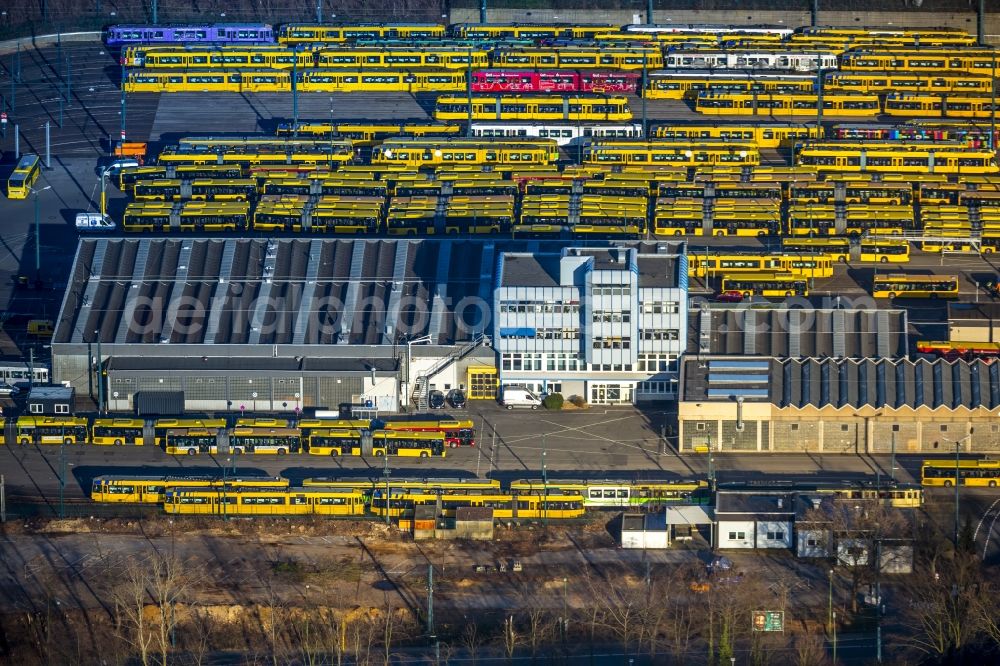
[
  {"x": 577, "y": 401},
  {"x": 553, "y": 401}
]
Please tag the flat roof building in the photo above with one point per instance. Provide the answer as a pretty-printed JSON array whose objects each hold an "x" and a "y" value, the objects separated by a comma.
[{"x": 605, "y": 324}]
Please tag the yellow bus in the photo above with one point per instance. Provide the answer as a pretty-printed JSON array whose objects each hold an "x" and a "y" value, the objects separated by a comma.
[
  {"x": 152, "y": 489},
  {"x": 766, "y": 284},
  {"x": 240, "y": 501},
  {"x": 51, "y": 430},
  {"x": 333, "y": 442},
  {"x": 941, "y": 472},
  {"x": 162, "y": 426},
  {"x": 117, "y": 432},
  {"x": 261, "y": 439},
  {"x": 885, "y": 251},
  {"x": 28, "y": 168},
  {"x": 835, "y": 249},
  {"x": 902, "y": 285},
  {"x": 425, "y": 152},
  {"x": 909, "y": 158},
  {"x": 534, "y": 107},
  {"x": 804, "y": 265}
]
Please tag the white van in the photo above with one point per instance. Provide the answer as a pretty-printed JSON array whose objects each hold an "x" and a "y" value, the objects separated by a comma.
[
  {"x": 94, "y": 222},
  {"x": 115, "y": 168},
  {"x": 518, "y": 396}
]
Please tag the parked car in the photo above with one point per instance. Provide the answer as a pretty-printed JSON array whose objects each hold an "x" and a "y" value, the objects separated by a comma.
[
  {"x": 94, "y": 222},
  {"x": 8, "y": 390},
  {"x": 436, "y": 400},
  {"x": 730, "y": 296},
  {"x": 456, "y": 398}
]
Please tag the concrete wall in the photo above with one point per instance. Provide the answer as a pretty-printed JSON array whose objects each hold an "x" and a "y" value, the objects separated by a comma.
[
  {"x": 740, "y": 527},
  {"x": 965, "y": 21},
  {"x": 644, "y": 539}
]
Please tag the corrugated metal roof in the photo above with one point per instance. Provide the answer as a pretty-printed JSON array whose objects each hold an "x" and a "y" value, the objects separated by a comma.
[{"x": 856, "y": 383}]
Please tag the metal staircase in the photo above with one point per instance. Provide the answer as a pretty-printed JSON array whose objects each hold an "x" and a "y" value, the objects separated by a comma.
[{"x": 421, "y": 385}]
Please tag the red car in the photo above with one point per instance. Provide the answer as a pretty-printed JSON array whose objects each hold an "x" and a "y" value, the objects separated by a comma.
[{"x": 730, "y": 296}]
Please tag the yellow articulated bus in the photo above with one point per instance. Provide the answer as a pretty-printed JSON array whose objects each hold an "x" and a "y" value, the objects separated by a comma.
[
  {"x": 688, "y": 84},
  {"x": 203, "y": 189},
  {"x": 764, "y": 135},
  {"x": 523, "y": 505},
  {"x": 977, "y": 473},
  {"x": 766, "y": 284},
  {"x": 424, "y": 152},
  {"x": 117, "y": 432},
  {"x": 28, "y": 168},
  {"x": 804, "y": 265},
  {"x": 910, "y": 158},
  {"x": 153, "y": 489},
  {"x": 574, "y": 57},
  {"x": 261, "y": 439},
  {"x": 895, "y": 82},
  {"x": 51, "y": 430},
  {"x": 787, "y": 104},
  {"x": 533, "y": 107},
  {"x": 902, "y": 285},
  {"x": 193, "y": 216},
  {"x": 264, "y": 502},
  {"x": 318, "y": 33},
  {"x": 673, "y": 153}
]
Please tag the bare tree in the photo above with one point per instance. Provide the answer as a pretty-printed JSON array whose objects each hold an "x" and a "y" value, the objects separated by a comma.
[
  {"x": 856, "y": 531},
  {"x": 809, "y": 650},
  {"x": 130, "y": 596},
  {"x": 388, "y": 625},
  {"x": 168, "y": 582},
  {"x": 199, "y": 635},
  {"x": 472, "y": 640},
  {"x": 944, "y": 614},
  {"x": 511, "y": 638}
]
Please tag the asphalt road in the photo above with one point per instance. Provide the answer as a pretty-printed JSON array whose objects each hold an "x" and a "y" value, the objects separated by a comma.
[{"x": 618, "y": 442}]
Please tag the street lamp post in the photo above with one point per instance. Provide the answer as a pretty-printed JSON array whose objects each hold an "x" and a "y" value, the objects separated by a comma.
[
  {"x": 829, "y": 605},
  {"x": 38, "y": 231}
]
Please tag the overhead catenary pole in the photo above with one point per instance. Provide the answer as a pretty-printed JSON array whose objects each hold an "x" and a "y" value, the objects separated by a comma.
[
  {"x": 430, "y": 601},
  {"x": 100, "y": 374},
  {"x": 649, "y": 12},
  {"x": 48, "y": 145},
  {"x": 468, "y": 92},
  {"x": 814, "y": 14},
  {"x": 17, "y": 141},
  {"x": 319, "y": 11},
  {"x": 155, "y": 8},
  {"x": 981, "y": 22},
  {"x": 295, "y": 93},
  {"x": 645, "y": 70},
  {"x": 482, "y": 11},
  {"x": 123, "y": 103}
]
